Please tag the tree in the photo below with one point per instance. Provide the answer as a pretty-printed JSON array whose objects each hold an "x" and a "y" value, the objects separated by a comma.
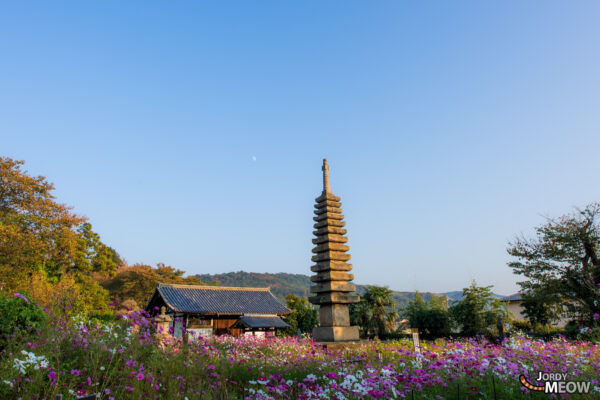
[
  {"x": 477, "y": 313},
  {"x": 431, "y": 318},
  {"x": 303, "y": 316},
  {"x": 541, "y": 306},
  {"x": 376, "y": 312},
  {"x": 563, "y": 260},
  {"x": 42, "y": 242},
  {"x": 138, "y": 282}
]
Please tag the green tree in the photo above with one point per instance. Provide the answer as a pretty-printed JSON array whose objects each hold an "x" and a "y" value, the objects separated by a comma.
[
  {"x": 477, "y": 312},
  {"x": 138, "y": 282},
  {"x": 303, "y": 316},
  {"x": 42, "y": 242},
  {"x": 563, "y": 260},
  {"x": 92, "y": 255},
  {"x": 431, "y": 318},
  {"x": 376, "y": 313},
  {"x": 541, "y": 306}
]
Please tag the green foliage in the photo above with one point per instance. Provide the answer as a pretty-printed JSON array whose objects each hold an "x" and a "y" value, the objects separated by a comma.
[
  {"x": 281, "y": 284},
  {"x": 431, "y": 318},
  {"x": 521, "y": 325},
  {"x": 19, "y": 318},
  {"x": 303, "y": 317},
  {"x": 540, "y": 305},
  {"x": 477, "y": 313},
  {"x": 375, "y": 314},
  {"x": 92, "y": 255},
  {"x": 138, "y": 282},
  {"x": 562, "y": 265},
  {"x": 43, "y": 243}
]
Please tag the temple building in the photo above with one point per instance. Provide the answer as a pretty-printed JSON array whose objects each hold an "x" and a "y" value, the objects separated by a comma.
[
  {"x": 204, "y": 310},
  {"x": 332, "y": 290}
]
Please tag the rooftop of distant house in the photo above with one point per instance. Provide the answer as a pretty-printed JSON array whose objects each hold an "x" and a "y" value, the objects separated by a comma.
[
  {"x": 215, "y": 300},
  {"x": 513, "y": 297}
]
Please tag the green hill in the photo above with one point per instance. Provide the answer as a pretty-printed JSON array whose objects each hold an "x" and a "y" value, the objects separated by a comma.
[{"x": 282, "y": 284}]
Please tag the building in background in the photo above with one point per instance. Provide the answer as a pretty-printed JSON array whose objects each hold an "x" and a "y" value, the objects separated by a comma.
[
  {"x": 514, "y": 304},
  {"x": 205, "y": 310}
]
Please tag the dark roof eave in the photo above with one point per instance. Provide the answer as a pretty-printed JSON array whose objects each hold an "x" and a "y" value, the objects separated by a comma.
[{"x": 177, "y": 303}]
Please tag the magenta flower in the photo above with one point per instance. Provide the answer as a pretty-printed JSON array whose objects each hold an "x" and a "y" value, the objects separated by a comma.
[
  {"x": 52, "y": 376},
  {"x": 75, "y": 372},
  {"x": 596, "y": 316},
  {"x": 19, "y": 295}
]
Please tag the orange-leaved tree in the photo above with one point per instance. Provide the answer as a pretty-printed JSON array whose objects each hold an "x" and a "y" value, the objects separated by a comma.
[
  {"x": 43, "y": 243},
  {"x": 137, "y": 282}
]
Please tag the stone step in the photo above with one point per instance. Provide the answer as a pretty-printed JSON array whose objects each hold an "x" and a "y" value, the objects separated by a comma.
[
  {"x": 329, "y": 229},
  {"x": 334, "y": 298},
  {"x": 332, "y": 276},
  {"x": 328, "y": 216},
  {"x": 335, "y": 334},
  {"x": 329, "y": 222},
  {"x": 330, "y": 246},
  {"x": 327, "y": 196},
  {"x": 331, "y": 266},
  {"x": 332, "y": 210},
  {"x": 328, "y": 203},
  {"x": 330, "y": 238},
  {"x": 333, "y": 287},
  {"x": 331, "y": 255}
]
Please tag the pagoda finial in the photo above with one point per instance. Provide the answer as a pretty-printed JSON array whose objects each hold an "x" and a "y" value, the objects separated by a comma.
[{"x": 325, "y": 168}]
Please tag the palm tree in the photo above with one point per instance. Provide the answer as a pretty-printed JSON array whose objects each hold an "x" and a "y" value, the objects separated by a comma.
[{"x": 376, "y": 312}]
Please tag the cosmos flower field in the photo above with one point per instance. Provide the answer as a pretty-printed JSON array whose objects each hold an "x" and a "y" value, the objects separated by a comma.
[{"x": 123, "y": 360}]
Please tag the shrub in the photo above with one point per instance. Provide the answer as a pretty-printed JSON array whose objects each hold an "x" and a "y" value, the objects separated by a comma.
[
  {"x": 522, "y": 325},
  {"x": 478, "y": 311},
  {"x": 431, "y": 318},
  {"x": 19, "y": 316}
]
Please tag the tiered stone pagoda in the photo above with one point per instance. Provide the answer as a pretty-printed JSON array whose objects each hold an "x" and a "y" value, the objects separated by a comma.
[{"x": 332, "y": 290}]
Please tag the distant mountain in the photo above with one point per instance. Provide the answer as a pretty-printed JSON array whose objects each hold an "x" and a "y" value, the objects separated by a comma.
[
  {"x": 282, "y": 284},
  {"x": 457, "y": 295}
]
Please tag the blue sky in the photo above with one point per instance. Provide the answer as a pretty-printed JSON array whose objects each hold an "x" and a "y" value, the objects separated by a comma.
[{"x": 449, "y": 127}]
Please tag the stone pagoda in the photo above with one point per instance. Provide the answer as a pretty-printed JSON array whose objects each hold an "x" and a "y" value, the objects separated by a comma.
[{"x": 332, "y": 291}]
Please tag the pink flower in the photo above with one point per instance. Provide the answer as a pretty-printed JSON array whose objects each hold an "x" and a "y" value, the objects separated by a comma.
[
  {"x": 19, "y": 295},
  {"x": 52, "y": 376},
  {"x": 596, "y": 316}
]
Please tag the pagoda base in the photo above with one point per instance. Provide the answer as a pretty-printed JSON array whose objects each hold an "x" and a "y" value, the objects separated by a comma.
[{"x": 335, "y": 333}]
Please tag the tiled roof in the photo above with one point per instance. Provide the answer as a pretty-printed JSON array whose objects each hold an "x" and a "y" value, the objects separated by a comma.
[
  {"x": 255, "y": 321},
  {"x": 218, "y": 300},
  {"x": 512, "y": 297}
]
